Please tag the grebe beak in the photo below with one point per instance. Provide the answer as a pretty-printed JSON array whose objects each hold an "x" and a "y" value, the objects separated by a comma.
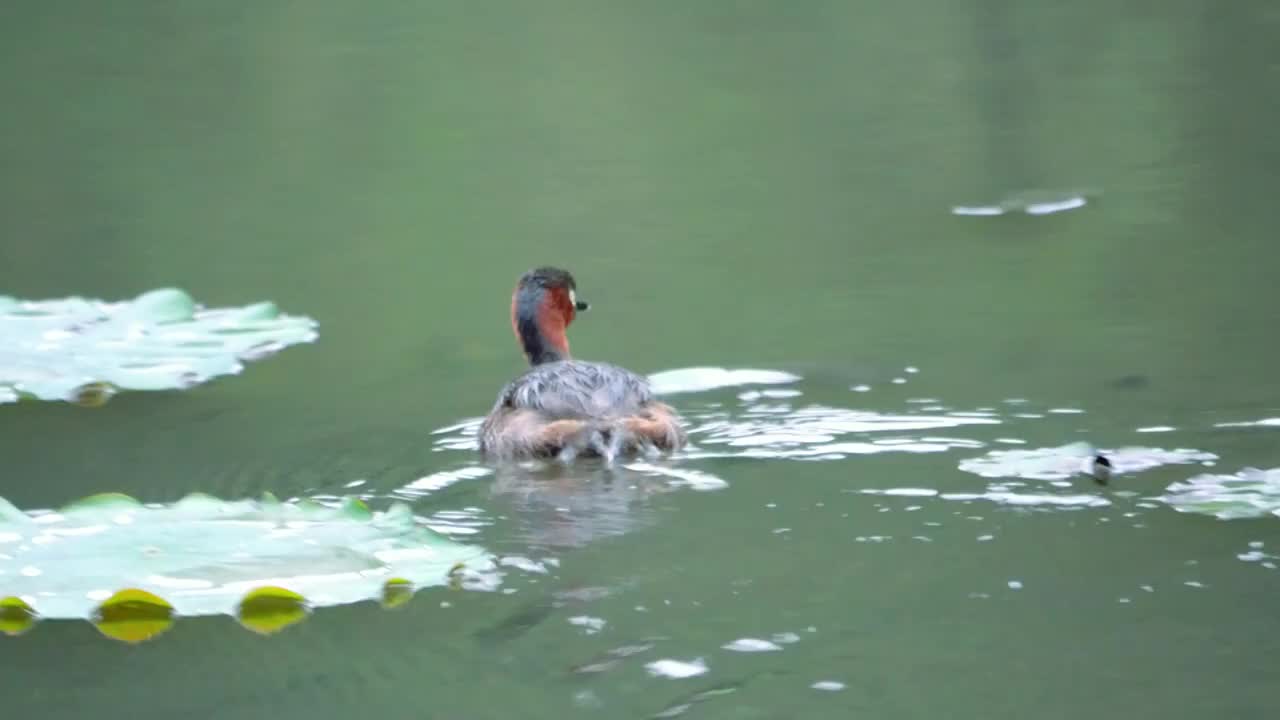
[{"x": 581, "y": 305}]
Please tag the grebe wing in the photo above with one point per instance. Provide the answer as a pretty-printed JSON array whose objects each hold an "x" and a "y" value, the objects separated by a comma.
[{"x": 571, "y": 388}]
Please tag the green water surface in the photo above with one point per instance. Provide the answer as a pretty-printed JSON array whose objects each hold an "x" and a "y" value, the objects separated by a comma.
[{"x": 737, "y": 184}]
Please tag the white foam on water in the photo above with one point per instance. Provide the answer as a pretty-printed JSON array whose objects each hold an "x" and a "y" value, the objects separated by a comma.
[
  {"x": 828, "y": 685},
  {"x": 591, "y": 625},
  {"x": 903, "y": 492},
  {"x": 693, "y": 479},
  {"x": 700, "y": 379},
  {"x": 1265, "y": 422},
  {"x": 440, "y": 480},
  {"x": 677, "y": 669},
  {"x": 751, "y": 645}
]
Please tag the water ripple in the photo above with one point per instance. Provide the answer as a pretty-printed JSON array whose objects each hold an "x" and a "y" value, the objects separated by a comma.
[
  {"x": 1250, "y": 493},
  {"x": 1066, "y": 461},
  {"x": 822, "y": 432},
  {"x": 699, "y": 379}
]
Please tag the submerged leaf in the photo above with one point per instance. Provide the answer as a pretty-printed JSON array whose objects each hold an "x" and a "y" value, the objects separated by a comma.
[
  {"x": 84, "y": 351},
  {"x": 202, "y": 556}
]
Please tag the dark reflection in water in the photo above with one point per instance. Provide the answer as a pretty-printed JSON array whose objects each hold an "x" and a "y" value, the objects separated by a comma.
[{"x": 566, "y": 507}]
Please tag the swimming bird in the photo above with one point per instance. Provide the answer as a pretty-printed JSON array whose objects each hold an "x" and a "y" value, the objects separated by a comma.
[
  {"x": 564, "y": 408},
  {"x": 1100, "y": 468}
]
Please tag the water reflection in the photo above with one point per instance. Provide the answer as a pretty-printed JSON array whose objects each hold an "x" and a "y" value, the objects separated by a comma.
[
  {"x": 558, "y": 505},
  {"x": 562, "y": 507}
]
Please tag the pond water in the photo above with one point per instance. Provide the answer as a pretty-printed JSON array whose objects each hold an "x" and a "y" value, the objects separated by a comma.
[{"x": 960, "y": 245}]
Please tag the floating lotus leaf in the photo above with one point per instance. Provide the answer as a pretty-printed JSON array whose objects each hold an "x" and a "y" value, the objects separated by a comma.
[
  {"x": 110, "y": 558},
  {"x": 84, "y": 351},
  {"x": 1250, "y": 493}
]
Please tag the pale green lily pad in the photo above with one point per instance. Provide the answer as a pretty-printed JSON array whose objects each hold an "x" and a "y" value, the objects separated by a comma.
[
  {"x": 83, "y": 351},
  {"x": 1250, "y": 493},
  {"x": 205, "y": 556},
  {"x": 268, "y": 610}
]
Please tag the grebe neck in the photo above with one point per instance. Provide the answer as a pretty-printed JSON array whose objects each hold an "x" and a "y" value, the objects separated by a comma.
[{"x": 539, "y": 325}]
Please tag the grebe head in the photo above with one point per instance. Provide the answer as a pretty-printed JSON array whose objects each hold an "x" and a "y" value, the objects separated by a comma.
[
  {"x": 543, "y": 305},
  {"x": 1100, "y": 468}
]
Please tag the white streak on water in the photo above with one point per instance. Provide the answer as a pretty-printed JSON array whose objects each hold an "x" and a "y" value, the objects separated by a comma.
[
  {"x": 751, "y": 645},
  {"x": 678, "y": 669}
]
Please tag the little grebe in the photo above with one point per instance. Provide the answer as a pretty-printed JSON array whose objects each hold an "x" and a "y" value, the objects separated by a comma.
[{"x": 561, "y": 407}]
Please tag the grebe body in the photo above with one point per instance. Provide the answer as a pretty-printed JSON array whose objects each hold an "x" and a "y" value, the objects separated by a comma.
[{"x": 562, "y": 407}]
